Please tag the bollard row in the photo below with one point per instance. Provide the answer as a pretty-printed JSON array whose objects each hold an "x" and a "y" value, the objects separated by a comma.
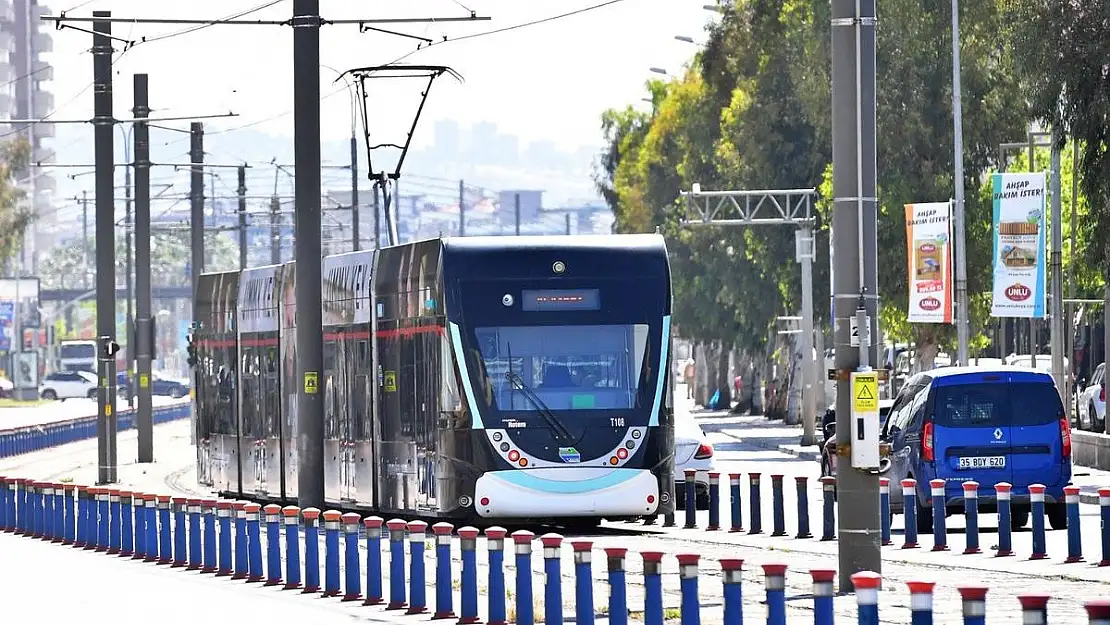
[{"x": 32, "y": 438}]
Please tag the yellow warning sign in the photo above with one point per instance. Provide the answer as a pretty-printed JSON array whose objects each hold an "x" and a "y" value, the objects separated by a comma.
[
  {"x": 390, "y": 381},
  {"x": 144, "y": 380},
  {"x": 865, "y": 392},
  {"x": 311, "y": 382},
  {"x": 107, "y": 410}
]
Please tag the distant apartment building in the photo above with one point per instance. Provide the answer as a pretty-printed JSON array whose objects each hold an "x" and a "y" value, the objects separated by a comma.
[{"x": 23, "y": 40}]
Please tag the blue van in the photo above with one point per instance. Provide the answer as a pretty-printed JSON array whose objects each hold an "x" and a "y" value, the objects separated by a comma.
[{"x": 987, "y": 424}]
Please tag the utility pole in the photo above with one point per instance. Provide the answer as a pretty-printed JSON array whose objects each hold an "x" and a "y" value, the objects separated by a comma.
[
  {"x": 242, "y": 217},
  {"x": 462, "y": 209},
  {"x": 310, "y": 346},
  {"x": 1056, "y": 330},
  {"x": 377, "y": 217},
  {"x": 104, "y": 125},
  {"x": 130, "y": 319},
  {"x": 856, "y": 294},
  {"x": 144, "y": 330},
  {"x": 196, "y": 234},
  {"x": 354, "y": 190},
  {"x": 275, "y": 230},
  {"x": 85, "y": 236},
  {"x": 963, "y": 331}
]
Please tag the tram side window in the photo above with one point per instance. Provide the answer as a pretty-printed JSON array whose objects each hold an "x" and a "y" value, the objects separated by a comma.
[
  {"x": 225, "y": 393},
  {"x": 270, "y": 393},
  {"x": 449, "y": 385},
  {"x": 331, "y": 406},
  {"x": 406, "y": 382},
  {"x": 248, "y": 382},
  {"x": 361, "y": 397}
]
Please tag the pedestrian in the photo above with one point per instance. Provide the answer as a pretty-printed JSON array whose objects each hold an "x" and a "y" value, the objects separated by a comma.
[{"x": 688, "y": 375}]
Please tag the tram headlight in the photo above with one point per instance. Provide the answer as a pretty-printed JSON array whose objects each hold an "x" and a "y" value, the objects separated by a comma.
[
  {"x": 635, "y": 433},
  {"x": 497, "y": 437},
  {"x": 507, "y": 300},
  {"x": 504, "y": 447}
]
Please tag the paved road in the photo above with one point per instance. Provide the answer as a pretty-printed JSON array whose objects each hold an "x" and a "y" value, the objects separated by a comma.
[{"x": 42, "y": 414}]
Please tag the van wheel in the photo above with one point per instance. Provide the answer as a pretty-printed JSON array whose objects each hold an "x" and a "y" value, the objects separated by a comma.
[
  {"x": 1019, "y": 518},
  {"x": 1057, "y": 516}
]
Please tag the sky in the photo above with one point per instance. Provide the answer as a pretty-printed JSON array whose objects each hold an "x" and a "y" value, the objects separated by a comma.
[{"x": 548, "y": 81}]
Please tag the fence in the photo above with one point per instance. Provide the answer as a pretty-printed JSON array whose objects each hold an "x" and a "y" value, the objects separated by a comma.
[{"x": 32, "y": 438}]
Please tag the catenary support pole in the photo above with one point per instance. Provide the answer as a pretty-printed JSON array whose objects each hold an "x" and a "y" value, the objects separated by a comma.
[
  {"x": 1056, "y": 256},
  {"x": 242, "y": 190},
  {"x": 806, "y": 251},
  {"x": 355, "y": 241},
  {"x": 963, "y": 333},
  {"x": 462, "y": 208},
  {"x": 196, "y": 230},
  {"x": 129, "y": 293},
  {"x": 854, "y": 217},
  {"x": 310, "y": 348},
  {"x": 104, "y": 125},
  {"x": 144, "y": 335}
]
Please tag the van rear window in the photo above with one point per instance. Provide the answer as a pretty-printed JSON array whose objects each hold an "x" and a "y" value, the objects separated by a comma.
[{"x": 994, "y": 405}]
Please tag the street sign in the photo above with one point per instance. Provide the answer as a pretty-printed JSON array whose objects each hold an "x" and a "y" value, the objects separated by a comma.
[
  {"x": 391, "y": 381},
  {"x": 853, "y": 323},
  {"x": 865, "y": 392},
  {"x": 311, "y": 382}
]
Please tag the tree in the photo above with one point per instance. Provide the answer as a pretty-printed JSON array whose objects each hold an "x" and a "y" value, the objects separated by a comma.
[{"x": 15, "y": 215}]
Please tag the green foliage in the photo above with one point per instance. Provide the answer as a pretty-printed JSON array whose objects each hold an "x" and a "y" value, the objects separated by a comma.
[{"x": 15, "y": 215}]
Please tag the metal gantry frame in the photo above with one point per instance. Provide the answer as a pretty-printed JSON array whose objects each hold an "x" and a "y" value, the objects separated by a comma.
[{"x": 772, "y": 207}]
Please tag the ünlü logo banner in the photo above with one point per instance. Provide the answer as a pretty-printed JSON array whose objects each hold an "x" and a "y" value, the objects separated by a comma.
[
  {"x": 1019, "y": 245},
  {"x": 929, "y": 247}
]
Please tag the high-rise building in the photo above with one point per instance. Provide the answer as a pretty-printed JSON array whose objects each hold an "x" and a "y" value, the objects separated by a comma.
[{"x": 23, "y": 39}]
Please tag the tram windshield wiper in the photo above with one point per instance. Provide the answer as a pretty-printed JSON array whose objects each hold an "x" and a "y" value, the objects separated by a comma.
[{"x": 545, "y": 412}]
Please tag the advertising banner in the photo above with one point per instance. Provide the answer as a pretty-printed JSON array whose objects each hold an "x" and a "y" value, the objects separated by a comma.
[
  {"x": 929, "y": 252},
  {"x": 1019, "y": 245}
]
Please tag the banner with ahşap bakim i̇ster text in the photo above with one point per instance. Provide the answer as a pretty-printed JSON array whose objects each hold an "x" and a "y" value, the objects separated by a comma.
[
  {"x": 929, "y": 251},
  {"x": 1019, "y": 245}
]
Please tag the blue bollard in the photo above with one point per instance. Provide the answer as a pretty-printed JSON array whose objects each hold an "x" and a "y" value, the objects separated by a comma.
[
  {"x": 1034, "y": 609},
  {"x": 444, "y": 578},
  {"x": 291, "y": 517},
  {"x": 80, "y": 522},
  {"x": 618, "y": 586},
  {"x": 332, "y": 520},
  {"x": 691, "y": 489},
  {"x": 690, "y": 608},
  {"x": 1075, "y": 540},
  {"x": 311, "y": 517},
  {"x": 418, "y": 533},
  {"x": 48, "y": 511},
  {"x": 867, "y": 584},
  {"x": 974, "y": 599},
  {"x": 150, "y": 515},
  {"x": 34, "y": 492},
  {"x": 1036, "y": 503},
  {"x": 734, "y": 495},
  {"x": 1098, "y": 612},
  {"x": 165, "y": 530},
  {"x": 223, "y": 516},
  {"x": 3, "y": 502},
  {"x": 553, "y": 575},
  {"x": 909, "y": 512},
  {"x": 208, "y": 512},
  {"x": 115, "y": 529},
  {"x": 9, "y": 504},
  {"x": 921, "y": 602},
  {"x": 495, "y": 545},
  {"x": 828, "y": 512},
  {"x": 778, "y": 506},
  {"x": 468, "y": 593},
  {"x": 23, "y": 510},
  {"x": 714, "y": 501},
  {"x": 823, "y": 613},
  {"x": 104, "y": 521},
  {"x": 241, "y": 540},
  {"x": 940, "y": 529},
  {"x": 70, "y": 516},
  {"x": 801, "y": 487},
  {"x": 351, "y": 566},
  {"x": 1104, "y": 517},
  {"x": 653, "y": 587},
  {"x": 884, "y": 510},
  {"x": 774, "y": 576},
  {"x": 583, "y": 582},
  {"x": 272, "y": 515},
  {"x": 1002, "y": 492},
  {"x": 732, "y": 573},
  {"x": 374, "y": 560},
  {"x": 522, "y": 542},
  {"x": 195, "y": 544},
  {"x": 181, "y": 534},
  {"x": 397, "y": 564},
  {"x": 59, "y": 514},
  {"x": 753, "y": 497},
  {"x": 138, "y": 508},
  {"x": 971, "y": 517},
  {"x": 254, "y": 543}
]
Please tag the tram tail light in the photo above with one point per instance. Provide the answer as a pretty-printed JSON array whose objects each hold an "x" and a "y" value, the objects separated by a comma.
[{"x": 705, "y": 451}]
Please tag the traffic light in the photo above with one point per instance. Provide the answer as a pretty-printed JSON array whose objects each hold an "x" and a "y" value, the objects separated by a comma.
[
  {"x": 108, "y": 348},
  {"x": 191, "y": 350}
]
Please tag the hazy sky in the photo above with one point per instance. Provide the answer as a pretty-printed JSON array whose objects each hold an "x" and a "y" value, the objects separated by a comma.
[{"x": 547, "y": 81}]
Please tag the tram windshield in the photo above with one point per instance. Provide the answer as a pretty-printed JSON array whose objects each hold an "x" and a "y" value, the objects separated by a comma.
[{"x": 568, "y": 367}]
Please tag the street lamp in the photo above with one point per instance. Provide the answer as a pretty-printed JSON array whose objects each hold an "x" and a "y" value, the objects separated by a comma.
[
  {"x": 657, "y": 70},
  {"x": 685, "y": 39},
  {"x": 713, "y": 7}
]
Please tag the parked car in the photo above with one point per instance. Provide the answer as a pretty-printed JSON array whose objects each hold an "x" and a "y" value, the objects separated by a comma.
[
  {"x": 987, "y": 424},
  {"x": 1092, "y": 402},
  {"x": 158, "y": 386},
  {"x": 692, "y": 450},
  {"x": 828, "y": 427},
  {"x": 65, "y": 385}
]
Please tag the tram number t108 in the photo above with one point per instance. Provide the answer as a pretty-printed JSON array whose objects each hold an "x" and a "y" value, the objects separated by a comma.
[{"x": 617, "y": 422}]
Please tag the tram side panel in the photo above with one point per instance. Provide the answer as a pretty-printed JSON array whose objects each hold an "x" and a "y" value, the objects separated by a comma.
[
  {"x": 215, "y": 343},
  {"x": 224, "y": 455},
  {"x": 283, "y": 448}
]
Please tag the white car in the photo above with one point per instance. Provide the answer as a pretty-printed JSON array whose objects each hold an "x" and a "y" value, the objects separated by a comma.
[
  {"x": 1092, "y": 402},
  {"x": 692, "y": 450},
  {"x": 68, "y": 385}
]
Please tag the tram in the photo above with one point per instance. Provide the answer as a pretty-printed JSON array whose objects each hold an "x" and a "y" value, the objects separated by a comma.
[{"x": 509, "y": 378}]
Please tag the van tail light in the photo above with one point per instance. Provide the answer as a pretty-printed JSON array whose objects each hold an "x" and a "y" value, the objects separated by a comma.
[
  {"x": 704, "y": 452},
  {"x": 1102, "y": 393},
  {"x": 1065, "y": 436},
  {"x": 927, "y": 442}
]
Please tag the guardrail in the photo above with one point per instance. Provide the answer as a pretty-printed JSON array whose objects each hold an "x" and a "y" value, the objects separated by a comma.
[
  {"x": 31, "y": 438},
  {"x": 228, "y": 539}
]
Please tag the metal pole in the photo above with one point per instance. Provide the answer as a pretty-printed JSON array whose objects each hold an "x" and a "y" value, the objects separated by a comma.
[
  {"x": 854, "y": 220},
  {"x": 242, "y": 217},
  {"x": 103, "y": 124},
  {"x": 132, "y": 340},
  {"x": 1105, "y": 338},
  {"x": 805, "y": 252},
  {"x": 275, "y": 231},
  {"x": 144, "y": 331},
  {"x": 196, "y": 232},
  {"x": 85, "y": 235},
  {"x": 310, "y": 345},
  {"x": 1056, "y": 259},
  {"x": 354, "y": 189},
  {"x": 568, "y": 223},
  {"x": 462, "y": 209},
  {"x": 377, "y": 217},
  {"x": 962, "y": 322},
  {"x": 516, "y": 209},
  {"x": 1032, "y": 321}
]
